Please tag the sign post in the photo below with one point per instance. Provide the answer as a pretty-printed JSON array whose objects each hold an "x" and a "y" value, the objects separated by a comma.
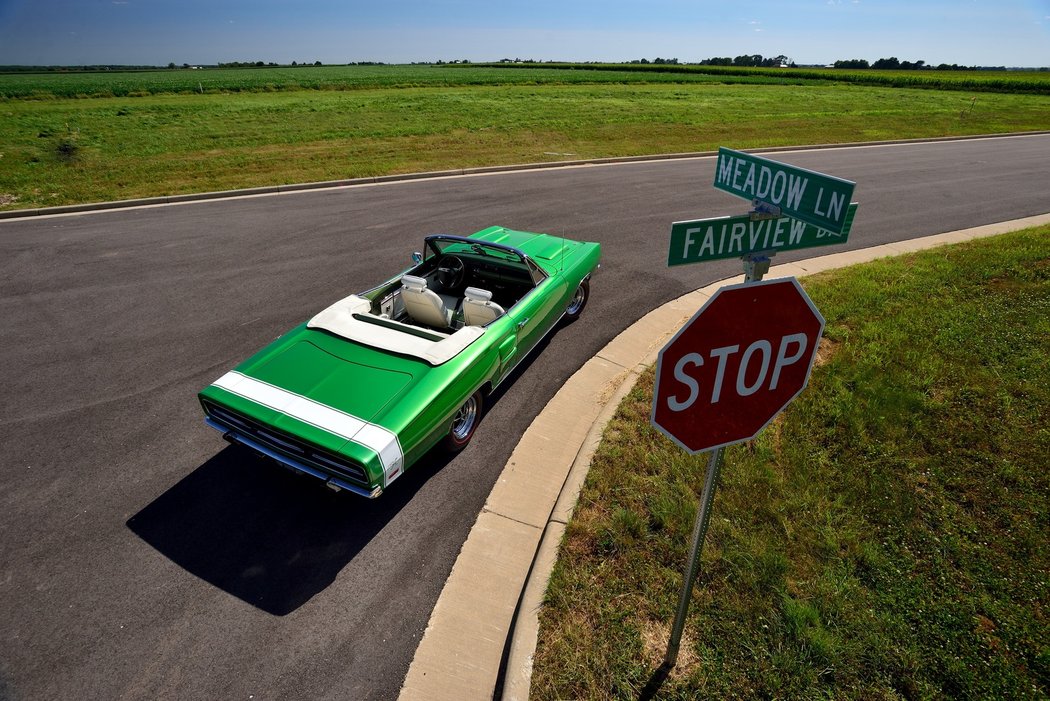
[
  {"x": 703, "y": 517},
  {"x": 749, "y": 350}
]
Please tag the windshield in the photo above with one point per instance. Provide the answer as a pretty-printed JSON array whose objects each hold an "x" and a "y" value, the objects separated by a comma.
[{"x": 460, "y": 246}]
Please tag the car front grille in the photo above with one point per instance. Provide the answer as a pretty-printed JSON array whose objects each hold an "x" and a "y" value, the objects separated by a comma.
[{"x": 285, "y": 443}]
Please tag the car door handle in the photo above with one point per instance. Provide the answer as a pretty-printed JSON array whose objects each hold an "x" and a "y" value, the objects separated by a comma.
[{"x": 521, "y": 324}]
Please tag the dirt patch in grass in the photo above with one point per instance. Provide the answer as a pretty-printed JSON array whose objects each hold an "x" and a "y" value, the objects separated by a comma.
[
  {"x": 655, "y": 637},
  {"x": 825, "y": 351}
]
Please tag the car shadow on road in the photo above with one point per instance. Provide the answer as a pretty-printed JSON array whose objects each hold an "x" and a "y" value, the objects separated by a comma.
[
  {"x": 272, "y": 538},
  {"x": 268, "y": 537}
]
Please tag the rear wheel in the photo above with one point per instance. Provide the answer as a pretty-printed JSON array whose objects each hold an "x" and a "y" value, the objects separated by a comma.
[
  {"x": 578, "y": 301},
  {"x": 464, "y": 423}
]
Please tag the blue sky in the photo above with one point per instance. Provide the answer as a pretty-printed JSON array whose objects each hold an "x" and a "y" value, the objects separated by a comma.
[{"x": 156, "y": 32}]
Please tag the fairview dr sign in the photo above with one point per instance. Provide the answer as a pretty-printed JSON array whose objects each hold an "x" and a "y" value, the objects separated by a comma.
[
  {"x": 732, "y": 237},
  {"x": 815, "y": 198}
]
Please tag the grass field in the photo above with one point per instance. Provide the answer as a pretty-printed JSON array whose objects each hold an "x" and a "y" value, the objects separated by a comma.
[
  {"x": 885, "y": 538},
  {"x": 400, "y": 119}
]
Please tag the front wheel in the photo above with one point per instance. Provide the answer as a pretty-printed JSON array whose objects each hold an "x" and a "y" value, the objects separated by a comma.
[
  {"x": 464, "y": 423},
  {"x": 578, "y": 301}
]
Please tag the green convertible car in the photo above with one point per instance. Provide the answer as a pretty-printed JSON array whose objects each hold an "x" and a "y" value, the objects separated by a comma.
[{"x": 361, "y": 391}]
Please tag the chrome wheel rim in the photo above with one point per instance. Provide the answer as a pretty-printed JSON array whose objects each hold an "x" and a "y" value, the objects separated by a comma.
[
  {"x": 577, "y": 301},
  {"x": 463, "y": 424}
]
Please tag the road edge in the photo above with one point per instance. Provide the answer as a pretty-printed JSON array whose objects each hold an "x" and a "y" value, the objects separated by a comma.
[{"x": 482, "y": 634}]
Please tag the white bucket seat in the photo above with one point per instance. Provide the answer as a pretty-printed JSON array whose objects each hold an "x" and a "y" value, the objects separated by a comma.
[
  {"x": 424, "y": 305},
  {"x": 478, "y": 307}
]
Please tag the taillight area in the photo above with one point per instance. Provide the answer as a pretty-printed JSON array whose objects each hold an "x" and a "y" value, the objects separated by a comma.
[{"x": 285, "y": 443}]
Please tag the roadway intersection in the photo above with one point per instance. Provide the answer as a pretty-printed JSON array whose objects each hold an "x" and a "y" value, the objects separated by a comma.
[{"x": 143, "y": 557}]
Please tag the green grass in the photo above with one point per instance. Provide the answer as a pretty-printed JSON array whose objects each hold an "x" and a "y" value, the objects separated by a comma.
[
  {"x": 62, "y": 151},
  {"x": 885, "y": 538}
]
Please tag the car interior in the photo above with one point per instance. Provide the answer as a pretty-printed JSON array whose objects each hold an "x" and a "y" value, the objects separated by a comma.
[
  {"x": 440, "y": 306},
  {"x": 447, "y": 291}
]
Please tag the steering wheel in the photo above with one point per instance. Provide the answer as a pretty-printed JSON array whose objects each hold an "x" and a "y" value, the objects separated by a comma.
[{"x": 451, "y": 272}]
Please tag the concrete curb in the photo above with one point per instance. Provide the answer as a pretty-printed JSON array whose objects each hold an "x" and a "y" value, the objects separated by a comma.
[
  {"x": 486, "y": 620},
  {"x": 484, "y": 170}
]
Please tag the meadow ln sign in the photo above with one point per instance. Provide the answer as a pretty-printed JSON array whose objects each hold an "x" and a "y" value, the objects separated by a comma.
[
  {"x": 733, "y": 237},
  {"x": 815, "y": 198}
]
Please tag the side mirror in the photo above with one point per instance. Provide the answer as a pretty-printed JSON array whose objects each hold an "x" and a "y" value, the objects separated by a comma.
[{"x": 417, "y": 257}]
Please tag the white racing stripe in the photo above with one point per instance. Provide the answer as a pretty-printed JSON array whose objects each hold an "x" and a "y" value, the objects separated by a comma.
[{"x": 381, "y": 441}]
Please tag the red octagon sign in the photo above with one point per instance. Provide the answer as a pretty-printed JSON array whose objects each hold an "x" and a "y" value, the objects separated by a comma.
[{"x": 733, "y": 366}]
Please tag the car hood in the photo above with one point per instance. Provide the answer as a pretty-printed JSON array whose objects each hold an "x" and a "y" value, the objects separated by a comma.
[
  {"x": 349, "y": 386},
  {"x": 548, "y": 251}
]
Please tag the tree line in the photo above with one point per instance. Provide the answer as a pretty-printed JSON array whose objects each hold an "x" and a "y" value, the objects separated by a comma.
[
  {"x": 887, "y": 64},
  {"x": 894, "y": 64},
  {"x": 751, "y": 61}
]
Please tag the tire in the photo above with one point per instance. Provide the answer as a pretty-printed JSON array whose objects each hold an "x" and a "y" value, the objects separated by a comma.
[
  {"x": 578, "y": 301},
  {"x": 464, "y": 423}
]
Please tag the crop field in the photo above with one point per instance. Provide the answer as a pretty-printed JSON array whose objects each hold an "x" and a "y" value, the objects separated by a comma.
[
  {"x": 995, "y": 81},
  {"x": 44, "y": 86},
  {"x": 174, "y": 132},
  {"x": 49, "y": 85}
]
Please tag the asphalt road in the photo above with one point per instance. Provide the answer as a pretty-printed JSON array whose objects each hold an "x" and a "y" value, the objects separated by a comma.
[{"x": 143, "y": 558}]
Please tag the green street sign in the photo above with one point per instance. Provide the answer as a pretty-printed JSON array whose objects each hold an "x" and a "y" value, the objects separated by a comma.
[
  {"x": 815, "y": 198},
  {"x": 732, "y": 237}
]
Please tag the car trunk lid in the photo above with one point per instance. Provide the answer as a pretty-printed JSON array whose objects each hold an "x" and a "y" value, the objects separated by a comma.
[{"x": 349, "y": 386}]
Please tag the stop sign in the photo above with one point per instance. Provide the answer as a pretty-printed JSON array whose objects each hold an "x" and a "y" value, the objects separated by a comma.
[{"x": 735, "y": 364}]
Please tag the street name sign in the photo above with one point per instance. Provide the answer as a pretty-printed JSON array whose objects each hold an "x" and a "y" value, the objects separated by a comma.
[
  {"x": 732, "y": 237},
  {"x": 815, "y": 198},
  {"x": 736, "y": 364}
]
